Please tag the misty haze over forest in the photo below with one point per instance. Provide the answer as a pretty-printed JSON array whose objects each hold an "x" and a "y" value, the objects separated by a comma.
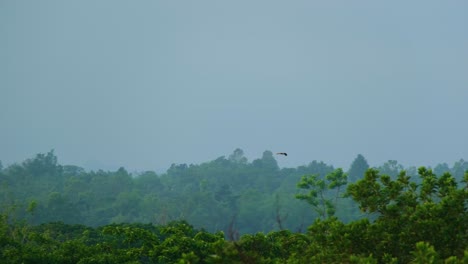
[
  {"x": 209, "y": 195},
  {"x": 233, "y": 131},
  {"x": 145, "y": 85}
]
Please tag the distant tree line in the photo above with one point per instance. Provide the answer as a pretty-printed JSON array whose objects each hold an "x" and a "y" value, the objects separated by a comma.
[
  {"x": 225, "y": 193},
  {"x": 420, "y": 218}
]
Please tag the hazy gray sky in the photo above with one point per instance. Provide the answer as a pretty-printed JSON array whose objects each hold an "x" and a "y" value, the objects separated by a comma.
[{"x": 143, "y": 84}]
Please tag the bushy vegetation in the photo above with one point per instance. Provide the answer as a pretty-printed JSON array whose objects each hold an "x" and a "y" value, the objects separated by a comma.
[{"x": 233, "y": 211}]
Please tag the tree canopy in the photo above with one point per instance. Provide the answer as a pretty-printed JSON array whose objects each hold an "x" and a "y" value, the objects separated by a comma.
[{"x": 230, "y": 210}]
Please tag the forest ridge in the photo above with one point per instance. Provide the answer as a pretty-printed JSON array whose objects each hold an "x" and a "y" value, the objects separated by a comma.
[
  {"x": 385, "y": 214},
  {"x": 207, "y": 195}
]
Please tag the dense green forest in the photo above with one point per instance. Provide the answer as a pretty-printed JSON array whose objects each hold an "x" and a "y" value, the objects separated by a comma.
[{"x": 230, "y": 210}]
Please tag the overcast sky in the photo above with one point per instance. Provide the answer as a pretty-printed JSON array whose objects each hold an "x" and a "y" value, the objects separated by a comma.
[{"x": 144, "y": 84}]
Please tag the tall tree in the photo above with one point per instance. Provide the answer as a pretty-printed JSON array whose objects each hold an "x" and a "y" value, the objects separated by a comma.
[
  {"x": 267, "y": 161},
  {"x": 358, "y": 168},
  {"x": 319, "y": 191},
  {"x": 459, "y": 169},
  {"x": 441, "y": 168},
  {"x": 391, "y": 168},
  {"x": 238, "y": 156}
]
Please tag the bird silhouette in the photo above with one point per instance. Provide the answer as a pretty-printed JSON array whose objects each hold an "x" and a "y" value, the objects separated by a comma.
[{"x": 282, "y": 153}]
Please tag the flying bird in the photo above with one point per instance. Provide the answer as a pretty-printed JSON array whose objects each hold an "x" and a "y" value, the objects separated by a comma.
[{"x": 282, "y": 153}]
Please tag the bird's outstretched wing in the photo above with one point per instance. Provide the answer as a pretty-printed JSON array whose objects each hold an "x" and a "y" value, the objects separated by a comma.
[{"x": 282, "y": 153}]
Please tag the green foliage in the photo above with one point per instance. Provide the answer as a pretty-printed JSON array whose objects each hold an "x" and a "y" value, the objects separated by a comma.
[
  {"x": 318, "y": 196},
  {"x": 433, "y": 211},
  {"x": 409, "y": 220},
  {"x": 208, "y": 195},
  {"x": 424, "y": 254}
]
